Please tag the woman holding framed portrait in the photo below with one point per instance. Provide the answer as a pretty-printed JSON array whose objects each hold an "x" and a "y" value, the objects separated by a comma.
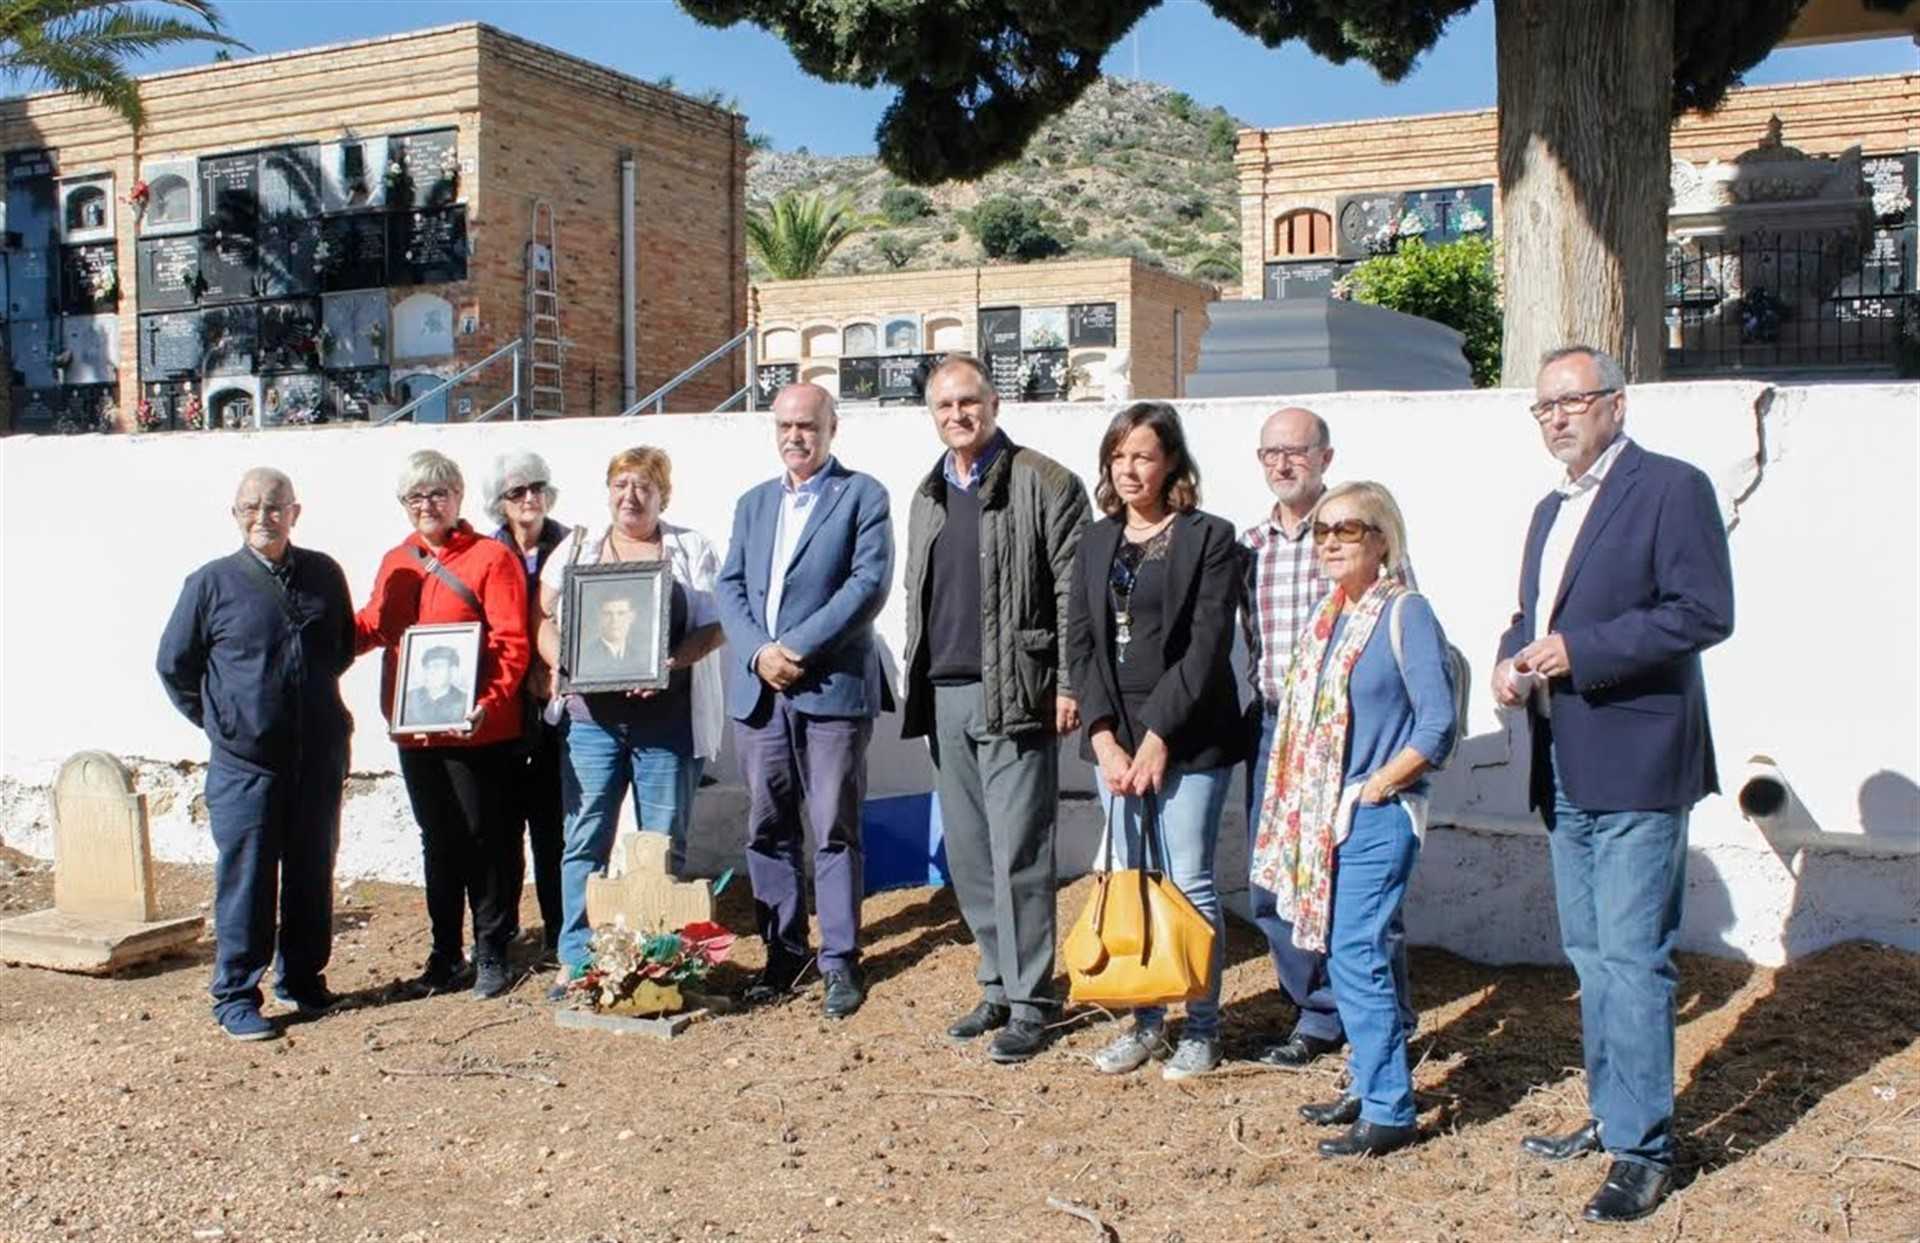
[
  {"x": 442, "y": 582},
  {"x": 627, "y": 624}
]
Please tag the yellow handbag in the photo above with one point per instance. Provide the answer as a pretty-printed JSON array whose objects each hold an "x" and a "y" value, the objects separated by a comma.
[{"x": 1139, "y": 941}]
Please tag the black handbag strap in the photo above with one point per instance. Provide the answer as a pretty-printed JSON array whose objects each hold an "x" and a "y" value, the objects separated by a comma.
[
  {"x": 264, "y": 579},
  {"x": 432, "y": 565}
]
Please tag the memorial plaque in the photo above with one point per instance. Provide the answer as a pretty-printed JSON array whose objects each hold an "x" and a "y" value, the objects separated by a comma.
[
  {"x": 353, "y": 330},
  {"x": 904, "y": 377},
  {"x": 289, "y": 335},
  {"x": 770, "y": 378},
  {"x": 419, "y": 385},
  {"x": 89, "y": 278},
  {"x": 353, "y": 252},
  {"x": 230, "y": 195},
  {"x": 292, "y": 400},
  {"x": 1005, "y": 370},
  {"x": 87, "y": 408},
  {"x": 290, "y": 183},
  {"x": 233, "y": 404},
  {"x": 1446, "y": 214},
  {"x": 353, "y": 174},
  {"x": 1000, "y": 331},
  {"x": 423, "y": 170},
  {"x": 1043, "y": 327},
  {"x": 171, "y": 345},
  {"x": 1046, "y": 374},
  {"x": 230, "y": 339},
  {"x": 427, "y": 247},
  {"x": 167, "y": 402},
  {"x": 901, "y": 334},
  {"x": 422, "y": 327},
  {"x": 229, "y": 267},
  {"x": 859, "y": 340},
  {"x": 359, "y": 395},
  {"x": 92, "y": 346},
  {"x": 169, "y": 278},
  {"x": 1892, "y": 181},
  {"x": 86, "y": 210},
  {"x": 173, "y": 197},
  {"x": 289, "y": 250},
  {"x": 34, "y": 409},
  {"x": 1312, "y": 278},
  {"x": 1093, "y": 323},
  {"x": 1364, "y": 224},
  {"x": 859, "y": 379},
  {"x": 30, "y": 346},
  {"x": 33, "y": 284}
]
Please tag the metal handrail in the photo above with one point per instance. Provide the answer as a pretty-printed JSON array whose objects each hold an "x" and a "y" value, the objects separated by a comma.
[
  {"x": 512, "y": 347},
  {"x": 658, "y": 397}
]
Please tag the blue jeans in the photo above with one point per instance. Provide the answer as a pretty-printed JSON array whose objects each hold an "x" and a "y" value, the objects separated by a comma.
[
  {"x": 1190, "y": 806},
  {"x": 1371, "y": 870},
  {"x": 1618, "y": 878},
  {"x": 1303, "y": 973},
  {"x": 603, "y": 763}
]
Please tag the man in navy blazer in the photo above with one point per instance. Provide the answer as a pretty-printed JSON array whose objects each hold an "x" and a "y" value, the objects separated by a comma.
[
  {"x": 807, "y": 570},
  {"x": 1625, "y": 581}
]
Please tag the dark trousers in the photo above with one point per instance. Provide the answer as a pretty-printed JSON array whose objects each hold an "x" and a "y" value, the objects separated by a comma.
[
  {"x": 470, "y": 843},
  {"x": 277, "y": 835},
  {"x": 1303, "y": 973},
  {"x": 806, "y": 777},
  {"x": 998, "y": 801},
  {"x": 545, "y": 820}
]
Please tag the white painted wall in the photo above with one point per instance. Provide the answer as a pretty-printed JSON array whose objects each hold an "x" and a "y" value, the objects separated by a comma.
[{"x": 1821, "y": 672}]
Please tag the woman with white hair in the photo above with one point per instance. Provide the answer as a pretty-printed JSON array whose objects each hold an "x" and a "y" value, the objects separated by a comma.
[
  {"x": 1366, "y": 710},
  {"x": 520, "y": 497},
  {"x": 460, "y": 782}
]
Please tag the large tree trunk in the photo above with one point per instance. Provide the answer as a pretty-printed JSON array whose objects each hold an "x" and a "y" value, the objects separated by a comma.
[{"x": 1585, "y": 109}]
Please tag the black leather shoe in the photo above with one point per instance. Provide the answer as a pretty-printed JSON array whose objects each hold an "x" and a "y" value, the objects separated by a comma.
[
  {"x": 1632, "y": 1191},
  {"x": 1298, "y": 1051},
  {"x": 1564, "y": 1147},
  {"x": 980, "y": 1020},
  {"x": 310, "y": 1001},
  {"x": 1343, "y": 1112},
  {"x": 490, "y": 978},
  {"x": 773, "y": 984},
  {"x": 441, "y": 975},
  {"x": 1019, "y": 1040},
  {"x": 1369, "y": 1139},
  {"x": 843, "y": 994}
]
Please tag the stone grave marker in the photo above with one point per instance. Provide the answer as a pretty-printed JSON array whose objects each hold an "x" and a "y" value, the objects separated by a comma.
[
  {"x": 104, "y": 913},
  {"x": 642, "y": 896}
]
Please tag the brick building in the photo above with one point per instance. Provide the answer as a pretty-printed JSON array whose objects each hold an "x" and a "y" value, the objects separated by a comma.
[
  {"x": 1072, "y": 325},
  {"x": 1315, "y": 199},
  {"x": 319, "y": 235}
]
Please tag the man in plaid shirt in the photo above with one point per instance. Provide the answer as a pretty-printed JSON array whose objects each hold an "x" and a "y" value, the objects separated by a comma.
[{"x": 1284, "y": 587}]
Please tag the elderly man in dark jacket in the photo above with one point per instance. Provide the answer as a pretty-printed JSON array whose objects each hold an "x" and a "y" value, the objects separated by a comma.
[
  {"x": 253, "y": 654},
  {"x": 992, "y": 536}
]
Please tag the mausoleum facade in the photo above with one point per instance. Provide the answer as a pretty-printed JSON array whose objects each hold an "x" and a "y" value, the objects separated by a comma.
[{"x": 321, "y": 235}]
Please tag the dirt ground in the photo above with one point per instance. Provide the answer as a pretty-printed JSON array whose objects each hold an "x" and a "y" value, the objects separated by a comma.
[{"x": 128, "y": 1115}]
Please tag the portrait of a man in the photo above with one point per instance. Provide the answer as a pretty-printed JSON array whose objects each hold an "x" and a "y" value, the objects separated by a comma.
[
  {"x": 438, "y": 667},
  {"x": 618, "y": 633},
  {"x": 438, "y": 700}
]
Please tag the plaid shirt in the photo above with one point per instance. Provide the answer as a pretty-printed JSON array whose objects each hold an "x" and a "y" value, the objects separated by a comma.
[{"x": 1284, "y": 585}]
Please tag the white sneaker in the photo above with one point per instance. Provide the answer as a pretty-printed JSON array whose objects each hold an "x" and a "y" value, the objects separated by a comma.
[
  {"x": 1196, "y": 1055},
  {"x": 1132, "y": 1049}
]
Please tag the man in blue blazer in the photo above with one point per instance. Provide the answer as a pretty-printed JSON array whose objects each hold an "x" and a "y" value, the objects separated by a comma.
[
  {"x": 1625, "y": 581},
  {"x": 807, "y": 570}
]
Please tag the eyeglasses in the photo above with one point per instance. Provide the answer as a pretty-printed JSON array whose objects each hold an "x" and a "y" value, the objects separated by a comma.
[
  {"x": 1271, "y": 455},
  {"x": 253, "y": 509},
  {"x": 1569, "y": 404},
  {"x": 420, "y": 500},
  {"x": 1346, "y": 531},
  {"x": 519, "y": 493}
]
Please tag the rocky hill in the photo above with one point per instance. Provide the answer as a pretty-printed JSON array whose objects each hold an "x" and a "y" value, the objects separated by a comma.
[{"x": 1133, "y": 168}]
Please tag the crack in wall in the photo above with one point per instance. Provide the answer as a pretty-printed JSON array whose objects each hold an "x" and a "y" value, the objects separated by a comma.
[{"x": 1762, "y": 406}]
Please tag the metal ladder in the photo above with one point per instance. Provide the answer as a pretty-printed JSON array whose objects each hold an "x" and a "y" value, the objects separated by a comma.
[{"x": 545, "y": 348}]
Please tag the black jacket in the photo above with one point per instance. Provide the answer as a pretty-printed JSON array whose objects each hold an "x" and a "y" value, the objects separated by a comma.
[
  {"x": 258, "y": 668},
  {"x": 1195, "y": 707}
]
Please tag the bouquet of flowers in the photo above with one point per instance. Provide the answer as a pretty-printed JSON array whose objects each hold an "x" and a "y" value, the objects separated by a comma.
[
  {"x": 146, "y": 417},
  {"x": 640, "y": 973}
]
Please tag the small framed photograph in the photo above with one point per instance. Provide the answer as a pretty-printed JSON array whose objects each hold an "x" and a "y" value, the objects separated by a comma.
[
  {"x": 438, "y": 672},
  {"x": 617, "y": 619}
]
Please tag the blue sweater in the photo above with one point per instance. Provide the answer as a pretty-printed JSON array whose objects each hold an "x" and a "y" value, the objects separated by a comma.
[{"x": 1384, "y": 717}]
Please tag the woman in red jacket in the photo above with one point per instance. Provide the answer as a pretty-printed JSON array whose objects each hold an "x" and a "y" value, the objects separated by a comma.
[{"x": 458, "y": 782}]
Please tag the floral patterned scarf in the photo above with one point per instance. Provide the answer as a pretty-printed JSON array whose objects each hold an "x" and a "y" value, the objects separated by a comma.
[{"x": 1301, "y": 806}]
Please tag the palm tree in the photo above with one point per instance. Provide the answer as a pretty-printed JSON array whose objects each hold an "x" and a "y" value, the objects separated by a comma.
[
  {"x": 797, "y": 234},
  {"x": 82, "y": 45}
]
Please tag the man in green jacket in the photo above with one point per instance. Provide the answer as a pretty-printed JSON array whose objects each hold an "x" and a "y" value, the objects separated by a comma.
[{"x": 991, "y": 540}]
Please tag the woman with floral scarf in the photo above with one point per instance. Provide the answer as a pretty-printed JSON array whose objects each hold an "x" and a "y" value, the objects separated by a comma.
[{"x": 1367, "y": 709}]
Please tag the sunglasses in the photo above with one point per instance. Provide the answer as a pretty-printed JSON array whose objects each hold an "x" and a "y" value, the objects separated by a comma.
[
  {"x": 520, "y": 492},
  {"x": 1348, "y": 531}
]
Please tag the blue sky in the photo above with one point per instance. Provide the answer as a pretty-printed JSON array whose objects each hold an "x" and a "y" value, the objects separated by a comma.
[{"x": 1180, "y": 43}]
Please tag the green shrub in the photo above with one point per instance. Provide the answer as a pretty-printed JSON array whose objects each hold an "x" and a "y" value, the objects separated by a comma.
[
  {"x": 904, "y": 205},
  {"x": 1222, "y": 134},
  {"x": 1454, "y": 284},
  {"x": 1011, "y": 228},
  {"x": 1180, "y": 106}
]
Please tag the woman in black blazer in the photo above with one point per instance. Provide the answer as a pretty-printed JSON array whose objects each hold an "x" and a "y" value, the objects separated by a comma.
[{"x": 1150, "y": 637}]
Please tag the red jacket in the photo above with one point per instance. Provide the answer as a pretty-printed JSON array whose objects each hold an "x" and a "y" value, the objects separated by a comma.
[{"x": 405, "y": 594}]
